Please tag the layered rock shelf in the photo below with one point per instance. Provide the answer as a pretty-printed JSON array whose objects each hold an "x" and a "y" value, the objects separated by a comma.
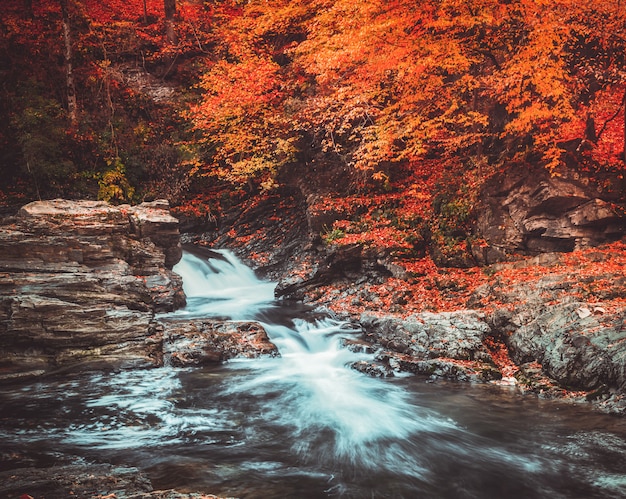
[{"x": 81, "y": 284}]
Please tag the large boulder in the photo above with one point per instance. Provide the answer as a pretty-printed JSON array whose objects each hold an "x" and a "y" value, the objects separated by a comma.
[
  {"x": 442, "y": 345},
  {"x": 81, "y": 284},
  {"x": 561, "y": 342},
  {"x": 582, "y": 346}
]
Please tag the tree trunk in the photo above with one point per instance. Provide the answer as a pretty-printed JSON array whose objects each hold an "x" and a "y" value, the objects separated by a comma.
[
  {"x": 170, "y": 14},
  {"x": 69, "y": 72},
  {"x": 145, "y": 13},
  {"x": 590, "y": 129},
  {"x": 624, "y": 106},
  {"x": 170, "y": 9}
]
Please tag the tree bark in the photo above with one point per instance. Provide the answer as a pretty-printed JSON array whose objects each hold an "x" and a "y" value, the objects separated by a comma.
[
  {"x": 72, "y": 110},
  {"x": 170, "y": 9},
  {"x": 170, "y": 14},
  {"x": 624, "y": 107},
  {"x": 590, "y": 129}
]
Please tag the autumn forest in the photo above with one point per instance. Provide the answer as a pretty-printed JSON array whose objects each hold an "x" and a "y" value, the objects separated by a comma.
[
  {"x": 397, "y": 113},
  {"x": 312, "y": 248}
]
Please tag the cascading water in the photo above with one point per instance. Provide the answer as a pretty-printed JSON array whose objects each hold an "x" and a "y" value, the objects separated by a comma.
[
  {"x": 332, "y": 416},
  {"x": 333, "y": 412},
  {"x": 305, "y": 425}
]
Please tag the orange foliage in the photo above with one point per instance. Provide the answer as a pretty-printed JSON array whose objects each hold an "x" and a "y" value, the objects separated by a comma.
[
  {"x": 428, "y": 287},
  {"x": 400, "y": 92}
]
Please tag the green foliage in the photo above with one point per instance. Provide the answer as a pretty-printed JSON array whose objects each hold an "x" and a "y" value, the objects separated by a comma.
[
  {"x": 114, "y": 186},
  {"x": 331, "y": 234}
]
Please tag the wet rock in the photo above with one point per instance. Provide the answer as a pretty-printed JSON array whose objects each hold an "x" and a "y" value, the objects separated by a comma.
[
  {"x": 373, "y": 369},
  {"x": 98, "y": 481},
  {"x": 77, "y": 480},
  {"x": 198, "y": 342},
  {"x": 563, "y": 344},
  {"x": 354, "y": 264},
  {"x": 455, "y": 335},
  {"x": 81, "y": 284},
  {"x": 441, "y": 368},
  {"x": 442, "y": 345}
]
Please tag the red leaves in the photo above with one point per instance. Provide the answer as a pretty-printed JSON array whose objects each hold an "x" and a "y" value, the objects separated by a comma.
[
  {"x": 500, "y": 355},
  {"x": 428, "y": 287}
]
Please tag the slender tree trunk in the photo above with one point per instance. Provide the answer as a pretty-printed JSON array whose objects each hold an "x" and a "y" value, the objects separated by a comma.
[
  {"x": 145, "y": 12},
  {"x": 69, "y": 72},
  {"x": 624, "y": 106},
  {"x": 170, "y": 14},
  {"x": 590, "y": 129},
  {"x": 170, "y": 8}
]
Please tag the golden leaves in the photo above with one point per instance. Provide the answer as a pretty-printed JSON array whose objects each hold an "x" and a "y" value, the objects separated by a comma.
[{"x": 383, "y": 83}]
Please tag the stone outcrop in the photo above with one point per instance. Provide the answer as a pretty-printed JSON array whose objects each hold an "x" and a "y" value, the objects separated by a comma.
[
  {"x": 81, "y": 284},
  {"x": 443, "y": 345},
  {"x": 533, "y": 212},
  {"x": 198, "y": 342},
  {"x": 561, "y": 343}
]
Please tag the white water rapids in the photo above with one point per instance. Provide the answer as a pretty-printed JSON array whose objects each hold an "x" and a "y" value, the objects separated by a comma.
[
  {"x": 333, "y": 412},
  {"x": 305, "y": 425}
]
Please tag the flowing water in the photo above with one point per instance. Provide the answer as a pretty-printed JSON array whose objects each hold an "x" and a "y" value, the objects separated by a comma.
[{"x": 305, "y": 425}]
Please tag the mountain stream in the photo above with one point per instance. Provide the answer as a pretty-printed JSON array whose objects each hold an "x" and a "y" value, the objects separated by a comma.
[{"x": 306, "y": 425}]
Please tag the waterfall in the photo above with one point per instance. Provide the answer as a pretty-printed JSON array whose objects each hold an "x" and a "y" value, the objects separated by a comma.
[
  {"x": 222, "y": 287},
  {"x": 333, "y": 413}
]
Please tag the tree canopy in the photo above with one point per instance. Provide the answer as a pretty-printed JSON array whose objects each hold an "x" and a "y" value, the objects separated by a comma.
[{"x": 174, "y": 98}]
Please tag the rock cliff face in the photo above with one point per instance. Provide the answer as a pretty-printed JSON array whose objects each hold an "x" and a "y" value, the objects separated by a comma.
[
  {"x": 81, "y": 283},
  {"x": 535, "y": 213}
]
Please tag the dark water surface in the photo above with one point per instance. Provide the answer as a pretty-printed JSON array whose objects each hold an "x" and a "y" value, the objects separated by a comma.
[{"x": 305, "y": 425}]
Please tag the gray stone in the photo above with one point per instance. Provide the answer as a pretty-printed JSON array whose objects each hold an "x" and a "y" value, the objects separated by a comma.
[
  {"x": 199, "y": 342},
  {"x": 455, "y": 335},
  {"x": 535, "y": 212},
  {"x": 81, "y": 284}
]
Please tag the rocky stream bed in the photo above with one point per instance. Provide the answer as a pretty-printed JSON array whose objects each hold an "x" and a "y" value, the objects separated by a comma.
[{"x": 85, "y": 286}]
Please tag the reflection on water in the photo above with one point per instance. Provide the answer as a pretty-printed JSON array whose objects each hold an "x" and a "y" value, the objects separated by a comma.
[{"x": 307, "y": 426}]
